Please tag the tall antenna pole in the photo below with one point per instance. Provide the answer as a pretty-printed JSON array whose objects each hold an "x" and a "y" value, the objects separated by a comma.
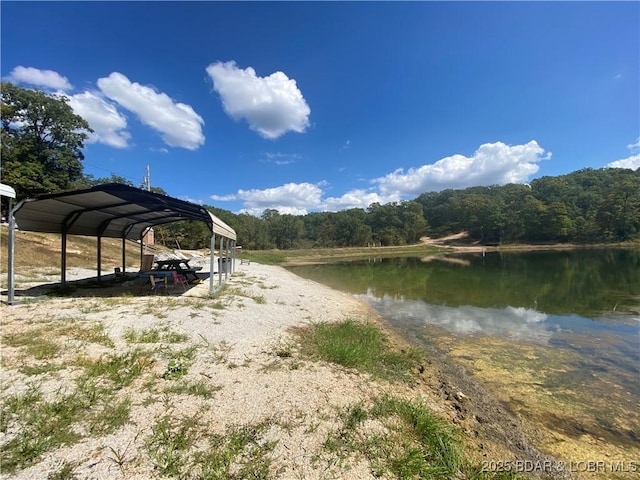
[{"x": 146, "y": 180}]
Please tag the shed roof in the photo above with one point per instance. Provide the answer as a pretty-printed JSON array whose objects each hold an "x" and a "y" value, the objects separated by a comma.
[{"x": 111, "y": 210}]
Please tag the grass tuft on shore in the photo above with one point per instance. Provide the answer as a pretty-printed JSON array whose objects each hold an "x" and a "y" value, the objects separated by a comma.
[
  {"x": 357, "y": 345},
  {"x": 403, "y": 439}
]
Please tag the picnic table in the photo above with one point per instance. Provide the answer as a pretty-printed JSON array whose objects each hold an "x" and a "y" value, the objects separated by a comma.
[
  {"x": 157, "y": 278},
  {"x": 180, "y": 265}
]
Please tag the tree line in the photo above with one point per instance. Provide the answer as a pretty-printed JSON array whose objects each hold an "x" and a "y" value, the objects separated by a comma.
[
  {"x": 41, "y": 147},
  {"x": 586, "y": 206}
]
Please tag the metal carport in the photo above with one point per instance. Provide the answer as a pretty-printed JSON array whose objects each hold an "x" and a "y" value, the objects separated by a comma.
[{"x": 111, "y": 210}]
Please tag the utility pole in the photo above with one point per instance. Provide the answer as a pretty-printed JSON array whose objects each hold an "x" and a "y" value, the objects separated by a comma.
[
  {"x": 146, "y": 180},
  {"x": 149, "y": 238}
]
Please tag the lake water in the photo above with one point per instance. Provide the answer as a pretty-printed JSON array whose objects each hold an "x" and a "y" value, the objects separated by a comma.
[{"x": 555, "y": 335}]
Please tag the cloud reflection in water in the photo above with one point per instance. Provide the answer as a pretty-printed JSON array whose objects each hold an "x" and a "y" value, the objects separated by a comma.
[{"x": 514, "y": 322}]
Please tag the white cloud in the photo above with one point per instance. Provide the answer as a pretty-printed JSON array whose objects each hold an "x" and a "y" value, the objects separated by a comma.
[
  {"x": 39, "y": 78},
  {"x": 356, "y": 199},
  {"x": 300, "y": 198},
  {"x": 224, "y": 198},
  {"x": 178, "y": 123},
  {"x": 632, "y": 162},
  {"x": 271, "y": 105},
  {"x": 491, "y": 164},
  {"x": 292, "y": 198},
  {"x": 108, "y": 124},
  {"x": 281, "y": 158},
  {"x": 634, "y": 146}
]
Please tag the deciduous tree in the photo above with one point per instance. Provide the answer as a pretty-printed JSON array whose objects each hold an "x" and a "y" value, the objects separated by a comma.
[{"x": 42, "y": 141}]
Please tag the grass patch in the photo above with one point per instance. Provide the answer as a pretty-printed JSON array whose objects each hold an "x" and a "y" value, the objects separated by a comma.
[
  {"x": 34, "y": 343},
  {"x": 357, "y": 345},
  {"x": 91, "y": 409},
  {"x": 93, "y": 334},
  {"x": 44, "y": 426},
  {"x": 64, "y": 473},
  {"x": 238, "y": 454},
  {"x": 169, "y": 443},
  {"x": 403, "y": 439},
  {"x": 121, "y": 370},
  {"x": 113, "y": 415},
  {"x": 154, "y": 335},
  {"x": 39, "y": 344},
  {"x": 260, "y": 299},
  {"x": 197, "y": 389},
  {"x": 92, "y": 307},
  {"x": 150, "y": 335},
  {"x": 238, "y": 292},
  {"x": 34, "y": 370}
]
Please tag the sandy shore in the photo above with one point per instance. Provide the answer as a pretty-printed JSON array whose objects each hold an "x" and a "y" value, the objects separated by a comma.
[
  {"x": 242, "y": 349},
  {"x": 237, "y": 340}
]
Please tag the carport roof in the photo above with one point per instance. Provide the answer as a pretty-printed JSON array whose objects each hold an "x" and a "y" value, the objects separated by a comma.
[{"x": 111, "y": 210}]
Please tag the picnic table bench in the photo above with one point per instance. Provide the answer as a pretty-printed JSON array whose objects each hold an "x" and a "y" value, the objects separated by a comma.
[{"x": 180, "y": 265}]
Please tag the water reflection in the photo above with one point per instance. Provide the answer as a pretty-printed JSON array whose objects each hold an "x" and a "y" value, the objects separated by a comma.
[
  {"x": 517, "y": 323},
  {"x": 595, "y": 284}
]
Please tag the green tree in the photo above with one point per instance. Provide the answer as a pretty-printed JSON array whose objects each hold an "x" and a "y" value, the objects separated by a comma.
[
  {"x": 41, "y": 141},
  {"x": 88, "y": 181},
  {"x": 285, "y": 230},
  {"x": 252, "y": 231},
  {"x": 414, "y": 224},
  {"x": 618, "y": 216},
  {"x": 557, "y": 225}
]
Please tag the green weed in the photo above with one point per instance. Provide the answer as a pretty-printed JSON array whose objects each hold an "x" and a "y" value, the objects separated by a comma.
[
  {"x": 357, "y": 345},
  {"x": 175, "y": 369},
  {"x": 238, "y": 454},
  {"x": 64, "y": 473},
  {"x": 149, "y": 335},
  {"x": 121, "y": 370},
  {"x": 93, "y": 334},
  {"x": 197, "y": 389},
  {"x": 34, "y": 342},
  {"x": 169, "y": 443},
  {"x": 410, "y": 442}
]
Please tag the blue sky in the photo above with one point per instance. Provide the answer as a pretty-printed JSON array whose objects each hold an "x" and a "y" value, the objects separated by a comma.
[{"x": 304, "y": 106}]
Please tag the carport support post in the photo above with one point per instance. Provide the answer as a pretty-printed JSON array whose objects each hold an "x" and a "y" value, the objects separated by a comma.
[
  {"x": 99, "y": 258},
  {"x": 233, "y": 256},
  {"x": 63, "y": 259},
  {"x": 212, "y": 263},
  {"x": 11, "y": 253},
  {"x": 124, "y": 260},
  {"x": 227, "y": 264},
  {"x": 220, "y": 261}
]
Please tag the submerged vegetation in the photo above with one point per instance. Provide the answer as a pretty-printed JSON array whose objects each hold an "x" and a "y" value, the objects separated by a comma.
[{"x": 400, "y": 438}]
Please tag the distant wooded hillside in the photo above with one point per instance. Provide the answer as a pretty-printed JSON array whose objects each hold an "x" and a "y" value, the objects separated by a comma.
[{"x": 587, "y": 206}]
